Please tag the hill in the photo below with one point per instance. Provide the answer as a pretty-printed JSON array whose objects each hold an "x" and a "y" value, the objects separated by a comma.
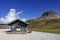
[{"x": 48, "y": 20}]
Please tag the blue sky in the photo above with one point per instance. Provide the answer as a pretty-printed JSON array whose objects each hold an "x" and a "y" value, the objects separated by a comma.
[{"x": 31, "y": 8}]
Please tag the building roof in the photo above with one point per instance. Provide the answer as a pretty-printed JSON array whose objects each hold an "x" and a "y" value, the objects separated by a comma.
[{"x": 17, "y": 20}]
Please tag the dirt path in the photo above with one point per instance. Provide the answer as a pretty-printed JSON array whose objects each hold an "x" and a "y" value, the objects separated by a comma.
[{"x": 29, "y": 36}]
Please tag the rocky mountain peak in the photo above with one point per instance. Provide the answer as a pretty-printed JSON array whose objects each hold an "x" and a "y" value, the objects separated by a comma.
[{"x": 50, "y": 15}]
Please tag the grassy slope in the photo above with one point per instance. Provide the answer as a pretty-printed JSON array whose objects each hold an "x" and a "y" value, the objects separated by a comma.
[{"x": 52, "y": 26}]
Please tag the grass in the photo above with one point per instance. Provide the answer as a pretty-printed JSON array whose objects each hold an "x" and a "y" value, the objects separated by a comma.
[
  {"x": 57, "y": 31},
  {"x": 51, "y": 26}
]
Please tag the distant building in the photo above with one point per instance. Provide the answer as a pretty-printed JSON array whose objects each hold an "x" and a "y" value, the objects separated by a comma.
[{"x": 4, "y": 26}]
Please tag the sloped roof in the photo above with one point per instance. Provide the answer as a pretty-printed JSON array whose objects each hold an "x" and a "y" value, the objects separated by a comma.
[{"x": 17, "y": 20}]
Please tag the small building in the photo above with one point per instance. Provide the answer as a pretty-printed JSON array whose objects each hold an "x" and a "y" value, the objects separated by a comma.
[{"x": 18, "y": 26}]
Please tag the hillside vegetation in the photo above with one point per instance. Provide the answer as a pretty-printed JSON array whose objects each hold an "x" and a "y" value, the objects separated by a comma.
[{"x": 46, "y": 23}]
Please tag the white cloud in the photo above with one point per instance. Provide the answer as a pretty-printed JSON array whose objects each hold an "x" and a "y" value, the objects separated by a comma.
[
  {"x": 12, "y": 15},
  {"x": 24, "y": 19}
]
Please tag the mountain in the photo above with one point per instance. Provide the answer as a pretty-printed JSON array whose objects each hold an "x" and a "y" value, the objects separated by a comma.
[
  {"x": 50, "y": 15},
  {"x": 48, "y": 20}
]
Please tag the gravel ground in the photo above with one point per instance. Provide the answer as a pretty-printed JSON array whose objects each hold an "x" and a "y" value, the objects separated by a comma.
[{"x": 29, "y": 36}]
